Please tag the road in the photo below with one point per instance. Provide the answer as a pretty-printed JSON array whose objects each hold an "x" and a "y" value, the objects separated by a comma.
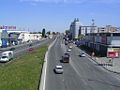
[
  {"x": 22, "y": 49},
  {"x": 79, "y": 74}
]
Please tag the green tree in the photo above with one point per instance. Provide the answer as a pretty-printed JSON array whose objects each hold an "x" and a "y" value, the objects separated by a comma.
[
  {"x": 48, "y": 32},
  {"x": 80, "y": 37},
  {"x": 53, "y": 33},
  {"x": 39, "y": 32},
  {"x": 43, "y": 32},
  {"x": 67, "y": 32}
]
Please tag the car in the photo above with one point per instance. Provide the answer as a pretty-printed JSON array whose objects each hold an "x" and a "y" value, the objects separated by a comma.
[
  {"x": 70, "y": 47},
  {"x": 82, "y": 54},
  {"x": 69, "y": 50},
  {"x": 12, "y": 49},
  {"x": 4, "y": 59},
  {"x": 67, "y": 53},
  {"x": 65, "y": 58},
  {"x": 58, "y": 69},
  {"x": 66, "y": 42}
]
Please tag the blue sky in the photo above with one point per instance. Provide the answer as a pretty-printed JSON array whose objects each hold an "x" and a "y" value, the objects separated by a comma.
[{"x": 56, "y": 15}]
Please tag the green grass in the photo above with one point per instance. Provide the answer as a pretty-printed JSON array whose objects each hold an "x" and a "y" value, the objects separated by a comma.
[{"x": 23, "y": 73}]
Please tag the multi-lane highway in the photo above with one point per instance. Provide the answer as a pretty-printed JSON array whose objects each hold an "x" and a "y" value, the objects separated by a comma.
[
  {"x": 80, "y": 74},
  {"x": 23, "y": 48}
]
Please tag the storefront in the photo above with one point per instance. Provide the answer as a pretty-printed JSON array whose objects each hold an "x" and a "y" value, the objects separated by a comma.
[{"x": 113, "y": 52}]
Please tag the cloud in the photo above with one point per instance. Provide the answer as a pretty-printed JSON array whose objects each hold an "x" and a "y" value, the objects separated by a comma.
[{"x": 74, "y": 1}]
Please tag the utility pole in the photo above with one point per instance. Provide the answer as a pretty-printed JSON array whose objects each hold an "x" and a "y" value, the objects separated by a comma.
[
  {"x": 93, "y": 31},
  {"x": 92, "y": 27}
]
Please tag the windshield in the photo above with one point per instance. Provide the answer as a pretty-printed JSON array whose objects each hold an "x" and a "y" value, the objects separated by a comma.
[
  {"x": 59, "y": 67},
  {"x": 4, "y": 57}
]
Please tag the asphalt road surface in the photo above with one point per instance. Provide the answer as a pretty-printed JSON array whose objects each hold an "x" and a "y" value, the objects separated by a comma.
[
  {"x": 79, "y": 74},
  {"x": 22, "y": 49}
]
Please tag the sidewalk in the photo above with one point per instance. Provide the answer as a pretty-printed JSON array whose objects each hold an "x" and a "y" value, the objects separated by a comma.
[{"x": 113, "y": 65}]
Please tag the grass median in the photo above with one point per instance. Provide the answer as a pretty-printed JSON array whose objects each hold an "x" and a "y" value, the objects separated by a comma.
[{"x": 23, "y": 73}]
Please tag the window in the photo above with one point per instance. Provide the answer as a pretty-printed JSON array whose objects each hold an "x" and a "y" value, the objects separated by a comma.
[{"x": 116, "y": 34}]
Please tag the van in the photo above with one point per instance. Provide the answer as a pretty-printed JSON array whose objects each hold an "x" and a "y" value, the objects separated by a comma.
[{"x": 6, "y": 56}]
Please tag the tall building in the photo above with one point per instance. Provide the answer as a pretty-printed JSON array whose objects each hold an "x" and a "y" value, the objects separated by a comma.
[{"x": 74, "y": 28}]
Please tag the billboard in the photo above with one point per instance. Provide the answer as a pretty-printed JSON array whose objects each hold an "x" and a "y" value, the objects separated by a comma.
[
  {"x": 113, "y": 52},
  {"x": 8, "y": 27}
]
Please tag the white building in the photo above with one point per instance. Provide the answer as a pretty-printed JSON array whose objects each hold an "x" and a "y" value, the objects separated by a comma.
[
  {"x": 26, "y": 36},
  {"x": 74, "y": 28},
  {"x": 35, "y": 36},
  {"x": 107, "y": 28}
]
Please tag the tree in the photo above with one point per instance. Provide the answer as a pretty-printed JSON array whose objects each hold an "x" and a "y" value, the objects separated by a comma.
[
  {"x": 48, "y": 32},
  {"x": 43, "y": 32},
  {"x": 39, "y": 32},
  {"x": 67, "y": 32},
  {"x": 80, "y": 37},
  {"x": 53, "y": 33}
]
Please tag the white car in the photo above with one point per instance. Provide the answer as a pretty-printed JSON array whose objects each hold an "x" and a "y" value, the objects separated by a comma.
[
  {"x": 82, "y": 54},
  {"x": 58, "y": 69},
  {"x": 4, "y": 59},
  {"x": 69, "y": 50},
  {"x": 70, "y": 47}
]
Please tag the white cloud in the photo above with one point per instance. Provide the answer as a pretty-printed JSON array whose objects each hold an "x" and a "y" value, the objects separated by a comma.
[{"x": 73, "y": 1}]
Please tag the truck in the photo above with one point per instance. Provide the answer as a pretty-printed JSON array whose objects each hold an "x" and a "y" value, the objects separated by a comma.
[
  {"x": 6, "y": 56},
  {"x": 66, "y": 58}
]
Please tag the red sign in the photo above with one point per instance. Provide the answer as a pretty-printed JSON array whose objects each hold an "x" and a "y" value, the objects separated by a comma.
[
  {"x": 7, "y": 27},
  {"x": 112, "y": 54}
]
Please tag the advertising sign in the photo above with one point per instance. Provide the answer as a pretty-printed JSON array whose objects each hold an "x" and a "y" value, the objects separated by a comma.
[
  {"x": 113, "y": 52},
  {"x": 7, "y": 27}
]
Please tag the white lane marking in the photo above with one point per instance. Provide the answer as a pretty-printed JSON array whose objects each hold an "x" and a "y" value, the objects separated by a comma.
[{"x": 44, "y": 81}]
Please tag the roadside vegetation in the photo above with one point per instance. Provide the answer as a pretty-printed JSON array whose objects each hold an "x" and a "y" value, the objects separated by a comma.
[{"x": 24, "y": 72}]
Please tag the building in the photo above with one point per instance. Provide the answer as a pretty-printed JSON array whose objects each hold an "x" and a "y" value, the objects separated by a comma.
[
  {"x": 74, "y": 28},
  {"x": 4, "y": 38},
  {"x": 106, "y": 43},
  {"x": 9, "y": 35},
  {"x": 26, "y": 37},
  {"x": 107, "y": 28}
]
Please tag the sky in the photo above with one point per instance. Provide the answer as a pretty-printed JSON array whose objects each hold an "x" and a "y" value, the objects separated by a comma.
[{"x": 57, "y": 15}]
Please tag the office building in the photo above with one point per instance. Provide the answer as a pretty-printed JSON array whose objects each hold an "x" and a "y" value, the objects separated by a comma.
[{"x": 74, "y": 28}]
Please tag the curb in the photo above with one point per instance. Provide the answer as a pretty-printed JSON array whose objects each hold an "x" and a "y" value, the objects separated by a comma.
[
  {"x": 44, "y": 69},
  {"x": 102, "y": 66},
  {"x": 99, "y": 63}
]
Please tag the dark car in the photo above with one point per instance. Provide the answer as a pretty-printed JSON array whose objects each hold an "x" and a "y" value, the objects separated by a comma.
[
  {"x": 65, "y": 58},
  {"x": 66, "y": 43},
  {"x": 11, "y": 49},
  {"x": 67, "y": 54}
]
